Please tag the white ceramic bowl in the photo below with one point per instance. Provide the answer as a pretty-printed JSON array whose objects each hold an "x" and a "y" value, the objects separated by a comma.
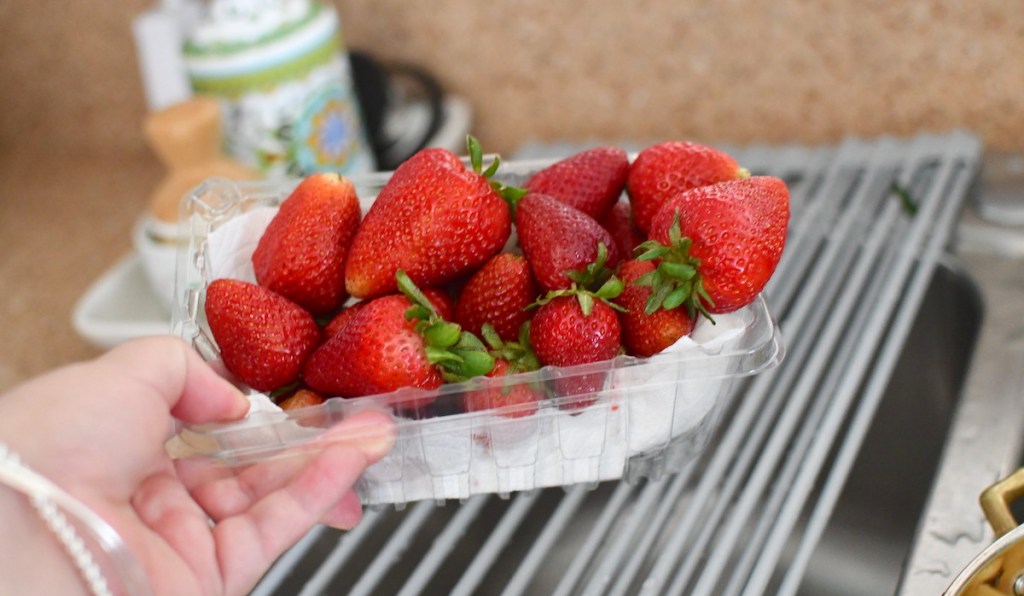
[{"x": 156, "y": 243}]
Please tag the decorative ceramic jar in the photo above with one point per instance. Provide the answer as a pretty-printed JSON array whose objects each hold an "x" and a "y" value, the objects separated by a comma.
[{"x": 281, "y": 72}]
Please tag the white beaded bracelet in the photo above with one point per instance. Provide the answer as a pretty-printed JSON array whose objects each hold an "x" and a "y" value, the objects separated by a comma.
[{"x": 52, "y": 502}]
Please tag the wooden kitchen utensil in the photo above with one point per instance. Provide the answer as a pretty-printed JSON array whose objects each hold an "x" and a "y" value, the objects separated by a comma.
[{"x": 187, "y": 139}]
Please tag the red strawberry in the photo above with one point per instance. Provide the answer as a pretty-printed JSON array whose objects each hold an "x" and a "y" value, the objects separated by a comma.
[
  {"x": 516, "y": 398},
  {"x": 264, "y": 338},
  {"x": 619, "y": 223},
  {"x": 377, "y": 351},
  {"x": 395, "y": 341},
  {"x": 434, "y": 219},
  {"x": 569, "y": 330},
  {"x": 557, "y": 238},
  {"x": 667, "y": 169},
  {"x": 590, "y": 181},
  {"x": 341, "y": 319},
  {"x": 498, "y": 294},
  {"x": 302, "y": 398},
  {"x": 301, "y": 256},
  {"x": 440, "y": 299},
  {"x": 645, "y": 334},
  {"x": 717, "y": 246}
]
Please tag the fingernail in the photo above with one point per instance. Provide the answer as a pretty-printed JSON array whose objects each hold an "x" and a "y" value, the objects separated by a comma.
[{"x": 373, "y": 432}]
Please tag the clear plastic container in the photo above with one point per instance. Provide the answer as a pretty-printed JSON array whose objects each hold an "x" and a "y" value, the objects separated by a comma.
[{"x": 640, "y": 418}]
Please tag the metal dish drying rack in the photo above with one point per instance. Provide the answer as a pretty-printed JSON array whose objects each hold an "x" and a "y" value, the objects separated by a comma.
[{"x": 857, "y": 263}]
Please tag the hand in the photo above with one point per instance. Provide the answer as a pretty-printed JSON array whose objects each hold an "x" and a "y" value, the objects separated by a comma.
[{"x": 98, "y": 431}]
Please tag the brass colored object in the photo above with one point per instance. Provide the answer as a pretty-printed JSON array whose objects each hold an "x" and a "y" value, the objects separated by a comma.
[
  {"x": 999, "y": 569},
  {"x": 996, "y": 501}
]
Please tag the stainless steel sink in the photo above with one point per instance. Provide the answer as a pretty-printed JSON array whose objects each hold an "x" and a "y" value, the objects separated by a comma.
[
  {"x": 952, "y": 421},
  {"x": 868, "y": 541},
  {"x": 853, "y": 468},
  {"x": 986, "y": 435}
]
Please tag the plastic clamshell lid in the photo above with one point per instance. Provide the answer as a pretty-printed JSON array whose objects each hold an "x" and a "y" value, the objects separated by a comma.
[{"x": 622, "y": 418}]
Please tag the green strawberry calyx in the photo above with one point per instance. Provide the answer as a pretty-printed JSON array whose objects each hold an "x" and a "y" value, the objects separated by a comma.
[
  {"x": 458, "y": 354},
  {"x": 676, "y": 280},
  {"x": 511, "y": 194},
  {"x": 910, "y": 206},
  {"x": 594, "y": 282},
  {"x": 519, "y": 354},
  {"x": 595, "y": 274}
]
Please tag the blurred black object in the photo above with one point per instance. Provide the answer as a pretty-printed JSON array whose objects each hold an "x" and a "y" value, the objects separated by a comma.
[{"x": 394, "y": 99}]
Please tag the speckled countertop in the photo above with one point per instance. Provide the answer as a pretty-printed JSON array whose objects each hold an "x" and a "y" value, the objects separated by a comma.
[{"x": 64, "y": 223}]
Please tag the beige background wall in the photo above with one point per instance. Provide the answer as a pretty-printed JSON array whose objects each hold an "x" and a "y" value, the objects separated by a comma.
[
  {"x": 809, "y": 70},
  {"x": 75, "y": 171}
]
